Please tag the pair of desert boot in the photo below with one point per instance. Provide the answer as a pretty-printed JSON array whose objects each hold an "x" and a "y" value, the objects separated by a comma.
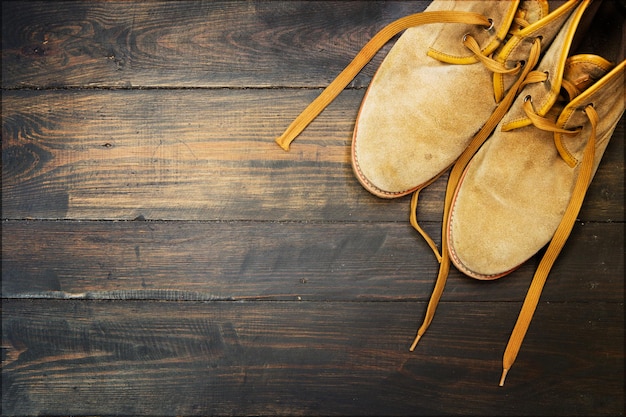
[{"x": 517, "y": 100}]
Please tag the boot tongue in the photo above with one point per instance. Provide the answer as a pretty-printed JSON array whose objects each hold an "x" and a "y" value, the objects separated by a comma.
[{"x": 581, "y": 72}]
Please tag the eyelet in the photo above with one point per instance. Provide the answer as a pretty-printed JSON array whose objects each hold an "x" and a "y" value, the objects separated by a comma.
[
  {"x": 528, "y": 98},
  {"x": 547, "y": 82},
  {"x": 490, "y": 28},
  {"x": 465, "y": 37}
]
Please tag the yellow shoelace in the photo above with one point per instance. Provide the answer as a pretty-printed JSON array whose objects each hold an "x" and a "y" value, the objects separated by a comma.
[
  {"x": 373, "y": 46},
  {"x": 560, "y": 236}
]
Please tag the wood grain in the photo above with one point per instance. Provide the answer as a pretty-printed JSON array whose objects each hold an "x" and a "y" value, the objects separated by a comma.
[
  {"x": 303, "y": 358},
  {"x": 161, "y": 255}
]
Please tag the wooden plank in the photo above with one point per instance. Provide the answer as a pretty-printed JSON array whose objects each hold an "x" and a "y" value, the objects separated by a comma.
[
  {"x": 262, "y": 282},
  {"x": 92, "y": 357},
  {"x": 206, "y": 155},
  {"x": 279, "y": 261},
  {"x": 189, "y": 44}
]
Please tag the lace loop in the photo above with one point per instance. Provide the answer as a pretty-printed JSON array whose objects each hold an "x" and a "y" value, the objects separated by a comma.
[
  {"x": 541, "y": 122},
  {"x": 491, "y": 64}
]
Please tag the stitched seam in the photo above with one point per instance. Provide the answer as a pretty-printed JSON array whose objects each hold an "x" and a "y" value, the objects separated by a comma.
[
  {"x": 371, "y": 186},
  {"x": 459, "y": 264}
]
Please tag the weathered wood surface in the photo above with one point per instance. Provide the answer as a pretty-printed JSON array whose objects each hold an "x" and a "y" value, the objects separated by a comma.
[
  {"x": 277, "y": 261},
  {"x": 315, "y": 358},
  {"x": 255, "y": 281}
]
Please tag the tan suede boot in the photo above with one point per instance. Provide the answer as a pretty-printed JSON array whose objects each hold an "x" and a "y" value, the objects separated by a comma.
[
  {"x": 440, "y": 83},
  {"x": 524, "y": 188}
]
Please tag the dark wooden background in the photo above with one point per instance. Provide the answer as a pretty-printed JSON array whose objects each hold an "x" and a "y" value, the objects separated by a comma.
[{"x": 161, "y": 255}]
